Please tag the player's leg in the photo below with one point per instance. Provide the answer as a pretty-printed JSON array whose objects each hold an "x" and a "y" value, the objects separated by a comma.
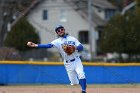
[
  {"x": 73, "y": 77},
  {"x": 72, "y": 74},
  {"x": 81, "y": 75}
]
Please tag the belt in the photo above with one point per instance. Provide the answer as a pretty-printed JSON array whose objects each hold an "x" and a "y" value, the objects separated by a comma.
[{"x": 70, "y": 60}]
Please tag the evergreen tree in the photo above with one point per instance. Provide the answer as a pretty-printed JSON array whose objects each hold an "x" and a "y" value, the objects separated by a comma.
[
  {"x": 121, "y": 34},
  {"x": 20, "y": 34}
]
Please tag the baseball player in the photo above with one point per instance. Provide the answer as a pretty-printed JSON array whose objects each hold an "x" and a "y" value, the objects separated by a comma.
[{"x": 69, "y": 47}]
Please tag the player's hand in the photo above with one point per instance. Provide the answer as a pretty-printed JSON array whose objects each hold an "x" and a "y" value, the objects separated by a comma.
[{"x": 31, "y": 44}]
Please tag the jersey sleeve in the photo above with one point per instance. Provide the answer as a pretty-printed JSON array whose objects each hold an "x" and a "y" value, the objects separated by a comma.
[
  {"x": 45, "y": 46},
  {"x": 78, "y": 45},
  {"x": 55, "y": 43}
]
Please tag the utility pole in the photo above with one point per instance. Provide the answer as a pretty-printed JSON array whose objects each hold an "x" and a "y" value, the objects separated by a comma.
[{"x": 92, "y": 38}]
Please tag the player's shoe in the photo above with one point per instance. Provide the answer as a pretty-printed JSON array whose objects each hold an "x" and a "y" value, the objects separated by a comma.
[{"x": 83, "y": 92}]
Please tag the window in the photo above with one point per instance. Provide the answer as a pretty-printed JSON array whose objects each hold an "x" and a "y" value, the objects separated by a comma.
[
  {"x": 45, "y": 15},
  {"x": 63, "y": 15},
  {"x": 109, "y": 13},
  {"x": 84, "y": 37}
]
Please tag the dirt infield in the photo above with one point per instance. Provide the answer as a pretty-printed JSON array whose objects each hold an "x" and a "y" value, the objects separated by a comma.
[{"x": 71, "y": 89}]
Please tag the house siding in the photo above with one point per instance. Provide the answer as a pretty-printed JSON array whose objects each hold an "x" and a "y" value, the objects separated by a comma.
[{"x": 45, "y": 28}]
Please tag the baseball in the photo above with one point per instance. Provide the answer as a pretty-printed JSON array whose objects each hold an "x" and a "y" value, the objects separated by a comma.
[{"x": 29, "y": 43}]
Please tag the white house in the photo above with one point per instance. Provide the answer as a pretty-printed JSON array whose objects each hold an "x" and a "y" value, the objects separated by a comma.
[{"x": 73, "y": 15}]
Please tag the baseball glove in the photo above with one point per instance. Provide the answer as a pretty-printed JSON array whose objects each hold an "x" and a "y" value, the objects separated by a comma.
[{"x": 69, "y": 49}]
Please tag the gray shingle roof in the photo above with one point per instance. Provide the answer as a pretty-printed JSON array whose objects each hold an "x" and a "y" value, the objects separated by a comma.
[
  {"x": 103, "y": 4},
  {"x": 97, "y": 21},
  {"x": 82, "y": 7}
]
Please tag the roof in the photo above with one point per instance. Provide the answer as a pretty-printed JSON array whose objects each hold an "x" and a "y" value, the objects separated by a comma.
[
  {"x": 81, "y": 7},
  {"x": 128, "y": 7},
  {"x": 97, "y": 21},
  {"x": 26, "y": 11},
  {"x": 103, "y": 4}
]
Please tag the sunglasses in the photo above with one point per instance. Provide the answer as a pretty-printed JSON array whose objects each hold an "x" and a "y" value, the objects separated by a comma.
[{"x": 61, "y": 29}]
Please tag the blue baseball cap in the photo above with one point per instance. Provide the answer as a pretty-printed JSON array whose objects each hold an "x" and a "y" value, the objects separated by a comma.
[{"x": 58, "y": 27}]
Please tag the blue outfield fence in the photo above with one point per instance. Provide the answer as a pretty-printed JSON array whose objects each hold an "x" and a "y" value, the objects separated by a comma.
[{"x": 24, "y": 72}]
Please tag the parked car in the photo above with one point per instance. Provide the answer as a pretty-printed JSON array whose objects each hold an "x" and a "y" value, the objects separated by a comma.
[
  {"x": 114, "y": 57},
  {"x": 85, "y": 55}
]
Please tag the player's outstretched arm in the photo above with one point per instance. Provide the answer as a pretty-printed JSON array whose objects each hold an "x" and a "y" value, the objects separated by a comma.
[{"x": 31, "y": 44}]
